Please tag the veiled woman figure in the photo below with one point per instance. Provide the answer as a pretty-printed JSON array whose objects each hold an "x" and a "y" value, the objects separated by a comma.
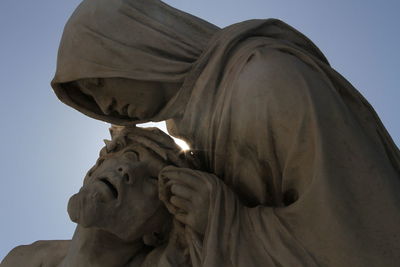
[{"x": 297, "y": 169}]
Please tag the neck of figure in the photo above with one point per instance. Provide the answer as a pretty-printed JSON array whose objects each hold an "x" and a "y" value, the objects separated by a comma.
[{"x": 97, "y": 248}]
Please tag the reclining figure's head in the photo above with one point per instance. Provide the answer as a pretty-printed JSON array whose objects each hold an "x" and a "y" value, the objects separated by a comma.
[{"x": 120, "y": 193}]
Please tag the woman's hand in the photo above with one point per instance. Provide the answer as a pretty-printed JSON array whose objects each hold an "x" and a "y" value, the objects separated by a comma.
[{"x": 186, "y": 193}]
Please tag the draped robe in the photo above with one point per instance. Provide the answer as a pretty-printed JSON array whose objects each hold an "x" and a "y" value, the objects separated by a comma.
[
  {"x": 308, "y": 179},
  {"x": 307, "y": 174}
]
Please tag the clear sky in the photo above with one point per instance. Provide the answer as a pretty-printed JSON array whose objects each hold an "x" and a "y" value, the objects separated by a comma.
[{"x": 47, "y": 147}]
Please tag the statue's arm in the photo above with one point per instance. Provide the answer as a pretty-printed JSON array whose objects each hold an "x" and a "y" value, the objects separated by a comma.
[{"x": 50, "y": 253}]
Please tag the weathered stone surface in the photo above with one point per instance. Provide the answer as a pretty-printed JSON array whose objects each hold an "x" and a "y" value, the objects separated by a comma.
[{"x": 292, "y": 165}]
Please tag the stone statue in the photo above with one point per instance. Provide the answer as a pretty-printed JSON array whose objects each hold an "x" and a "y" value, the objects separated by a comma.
[
  {"x": 121, "y": 220},
  {"x": 295, "y": 167}
]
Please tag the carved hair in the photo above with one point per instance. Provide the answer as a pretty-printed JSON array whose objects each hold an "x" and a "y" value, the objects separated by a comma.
[{"x": 153, "y": 139}]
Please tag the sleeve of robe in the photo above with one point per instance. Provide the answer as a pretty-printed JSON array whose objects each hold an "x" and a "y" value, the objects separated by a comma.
[{"x": 338, "y": 194}]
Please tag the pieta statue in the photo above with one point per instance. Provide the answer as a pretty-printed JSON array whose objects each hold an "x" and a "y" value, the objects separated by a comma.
[{"x": 293, "y": 165}]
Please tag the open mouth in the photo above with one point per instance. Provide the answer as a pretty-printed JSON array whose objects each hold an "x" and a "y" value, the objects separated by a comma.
[{"x": 110, "y": 186}]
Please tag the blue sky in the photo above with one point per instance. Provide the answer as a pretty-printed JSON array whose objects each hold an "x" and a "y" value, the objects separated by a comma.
[{"x": 47, "y": 147}]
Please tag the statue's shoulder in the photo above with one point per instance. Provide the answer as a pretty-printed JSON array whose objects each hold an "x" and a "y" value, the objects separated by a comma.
[
  {"x": 271, "y": 63},
  {"x": 272, "y": 71},
  {"x": 39, "y": 253}
]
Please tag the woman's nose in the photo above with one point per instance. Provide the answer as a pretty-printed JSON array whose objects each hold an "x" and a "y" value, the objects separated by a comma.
[
  {"x": 106, "y": 104},
  {"x": 126, "y": 177}
]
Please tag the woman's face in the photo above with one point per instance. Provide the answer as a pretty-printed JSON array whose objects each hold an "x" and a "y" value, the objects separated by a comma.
[{"x": 126, "y": 98}]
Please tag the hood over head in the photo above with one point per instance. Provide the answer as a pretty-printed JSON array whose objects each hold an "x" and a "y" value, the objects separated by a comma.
[
  {"x": 147, "y": 40},
  {"x": 144, "y": 40}
]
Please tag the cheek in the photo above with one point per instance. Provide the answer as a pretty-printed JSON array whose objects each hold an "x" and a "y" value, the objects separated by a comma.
[
  {"x": 152, "y": 199},
  {"x": 150, "y": 189},
  {"x": 143, "y": 200}
]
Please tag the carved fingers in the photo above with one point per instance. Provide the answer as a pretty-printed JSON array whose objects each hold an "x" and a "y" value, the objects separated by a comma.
[
  {"x": 186, "y": 193},
  {"x": 159, "y": 142}
]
